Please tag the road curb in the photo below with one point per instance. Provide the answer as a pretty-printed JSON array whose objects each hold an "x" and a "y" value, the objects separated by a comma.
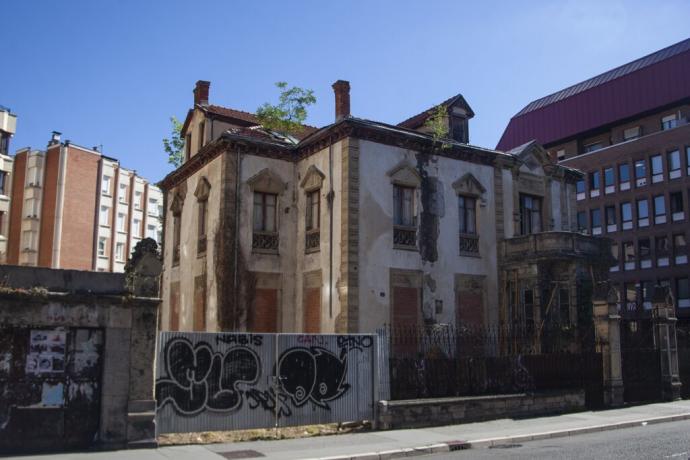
[{"x": 450, "y": 446}]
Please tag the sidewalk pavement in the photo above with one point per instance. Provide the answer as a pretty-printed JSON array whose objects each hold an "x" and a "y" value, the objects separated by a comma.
[{"x": 399, "y": 443}]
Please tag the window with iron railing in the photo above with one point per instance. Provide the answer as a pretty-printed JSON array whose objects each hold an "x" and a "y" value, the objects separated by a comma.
[
  {"x": 265, "y": 231},
  {"x": 468, "y": 237},
  {"x": 404, "y": 218},
  {"x": 312, "y": 235}
]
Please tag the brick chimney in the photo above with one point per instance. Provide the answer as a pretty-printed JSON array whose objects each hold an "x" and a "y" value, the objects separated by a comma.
[
  {"x": 201, "y": 92},
  {"x": 342, "y": 99}
]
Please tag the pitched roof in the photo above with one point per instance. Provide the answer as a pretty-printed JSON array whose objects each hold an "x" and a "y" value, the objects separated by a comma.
[
  {"x": 240, "y": 117},
  {"x": 644, "y": 84},
  {"x": 419, "y": 119},
  {"x": 227, "y": 112}
]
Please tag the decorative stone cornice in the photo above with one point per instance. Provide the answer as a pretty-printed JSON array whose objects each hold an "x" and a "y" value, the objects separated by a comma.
[{"x": 322, "y": 139}]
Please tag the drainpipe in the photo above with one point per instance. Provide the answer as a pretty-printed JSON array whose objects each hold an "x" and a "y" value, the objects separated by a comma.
[
  {"x": 330, "y": 230},
  {"x": 237, "y": 240}
]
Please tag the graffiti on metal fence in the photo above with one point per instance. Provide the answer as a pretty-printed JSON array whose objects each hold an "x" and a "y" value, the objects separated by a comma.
[
  {"x": 197, "y": 377},
  {"x": 313, "y": 374}
]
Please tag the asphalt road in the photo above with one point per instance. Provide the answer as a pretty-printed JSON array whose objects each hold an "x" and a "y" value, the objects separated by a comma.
[{"x": 659, "y": 441}]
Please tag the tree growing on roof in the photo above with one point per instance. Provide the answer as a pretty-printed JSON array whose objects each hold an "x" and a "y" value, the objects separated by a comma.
[
  {"x": 288, "y": 116},
  {"x": 174, "y": 145},
  {"x": 437, "y": 123}
]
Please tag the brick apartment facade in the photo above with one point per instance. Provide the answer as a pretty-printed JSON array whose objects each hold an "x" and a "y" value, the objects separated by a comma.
[
  {"x": 628, "y": 130},
  {"x": 75, "y": 208}
]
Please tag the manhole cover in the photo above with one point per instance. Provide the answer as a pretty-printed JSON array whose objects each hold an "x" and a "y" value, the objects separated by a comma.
[
  {"x": 240, "y": 454},
  {"x": 505, "y": 446}
]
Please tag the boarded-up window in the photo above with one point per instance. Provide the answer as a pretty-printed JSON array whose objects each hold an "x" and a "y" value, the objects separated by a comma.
[
  {"x": 263, "y": 317},
  {"x": 405, "y": 319},
  {"x": 470, "y": 308},
  {"x": 174, "y": 306},
  {"x": 312, "y": 310},
  {"x": 200, "y": 303}
]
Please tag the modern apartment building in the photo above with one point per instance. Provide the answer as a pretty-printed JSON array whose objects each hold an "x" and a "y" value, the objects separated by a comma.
[
  {"x": 8, "y": 125},
  {"x": 628, "y": 130},
  {"x": 76, "y": 208}
]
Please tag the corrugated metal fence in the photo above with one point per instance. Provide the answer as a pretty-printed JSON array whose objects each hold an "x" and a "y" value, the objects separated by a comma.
[{"x": 233, "y": 381}]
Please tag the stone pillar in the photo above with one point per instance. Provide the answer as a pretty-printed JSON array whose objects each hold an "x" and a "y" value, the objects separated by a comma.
[
  {"x": 664, "y": 314},
  {"x": 607, "y": 328},
  {"x": 142, "y": 275}
]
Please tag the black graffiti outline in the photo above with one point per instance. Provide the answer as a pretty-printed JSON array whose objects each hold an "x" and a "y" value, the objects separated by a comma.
[
  {"x": 312, "y": 380},
  {"x": 355, "y": 342},
  {"x": 216, "y": 388}
]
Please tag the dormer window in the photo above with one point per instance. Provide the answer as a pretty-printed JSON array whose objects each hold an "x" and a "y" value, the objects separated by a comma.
[{"x": 458, "y": 129}]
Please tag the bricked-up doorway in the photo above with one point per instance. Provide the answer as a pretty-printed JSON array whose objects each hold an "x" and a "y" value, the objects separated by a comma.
[
  {"x": 200, "y": 303},
  {"x": 265, "y": 307},
  {"x": 264, "y": 316},
  {"x": 312, "y": 302},
  {"x": 406, "y": 307},
  {"x": 469, "y": 301}
]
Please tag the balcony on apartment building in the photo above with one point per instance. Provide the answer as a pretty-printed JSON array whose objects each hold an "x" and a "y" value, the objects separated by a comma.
[
  {"x": 555, "y": 244},
  {"x": 8, "y": 126}
]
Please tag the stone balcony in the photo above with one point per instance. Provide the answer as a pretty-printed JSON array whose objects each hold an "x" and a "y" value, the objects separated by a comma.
[{"x": 555, "y": 245}]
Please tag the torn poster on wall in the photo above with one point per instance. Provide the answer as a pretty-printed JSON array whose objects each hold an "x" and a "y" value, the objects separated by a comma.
[{"x": 46, "y": 352}]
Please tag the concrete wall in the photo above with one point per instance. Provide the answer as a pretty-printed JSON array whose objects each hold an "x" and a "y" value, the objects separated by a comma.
[
  {"x": 77, "y": 304},
  {"x": 191, "y": 264}
]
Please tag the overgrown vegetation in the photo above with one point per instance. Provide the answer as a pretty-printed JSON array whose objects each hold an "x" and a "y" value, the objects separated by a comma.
[
  {"x": 437, "y": 123},
  {"x": 174, "y": 145},
  {"x": 287, "y": 117}
]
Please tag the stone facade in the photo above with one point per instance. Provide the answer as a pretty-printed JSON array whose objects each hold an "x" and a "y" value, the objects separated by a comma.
[
  {"x": 318, "y": 230},
  {"x": 394, "y": 415}
]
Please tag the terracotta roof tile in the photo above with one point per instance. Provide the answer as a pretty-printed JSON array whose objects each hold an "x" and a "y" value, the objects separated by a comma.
[{"x": 251, "y": 119}]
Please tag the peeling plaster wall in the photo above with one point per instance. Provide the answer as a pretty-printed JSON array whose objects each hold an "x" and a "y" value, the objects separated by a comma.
[
  {"x": 309, "y": 262},
  {"x": 509, "y": 210},
  {"x": 286, "y": 217},
  {"x": 190, "y": 265},
  {"x": 377, "y": 255}
]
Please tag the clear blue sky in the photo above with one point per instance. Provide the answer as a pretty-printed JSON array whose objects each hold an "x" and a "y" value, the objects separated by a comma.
[{"x": 113, "y": 72}]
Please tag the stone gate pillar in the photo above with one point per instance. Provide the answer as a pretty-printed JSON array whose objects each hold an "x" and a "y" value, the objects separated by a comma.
[
  {"x": 142, "y": 277},
  {"x": 607, "y": 328},
  {"x": 664, "y": 314}
]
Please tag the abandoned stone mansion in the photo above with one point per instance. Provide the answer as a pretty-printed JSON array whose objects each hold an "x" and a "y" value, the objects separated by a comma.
[{"x": 361, "y": 223}]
